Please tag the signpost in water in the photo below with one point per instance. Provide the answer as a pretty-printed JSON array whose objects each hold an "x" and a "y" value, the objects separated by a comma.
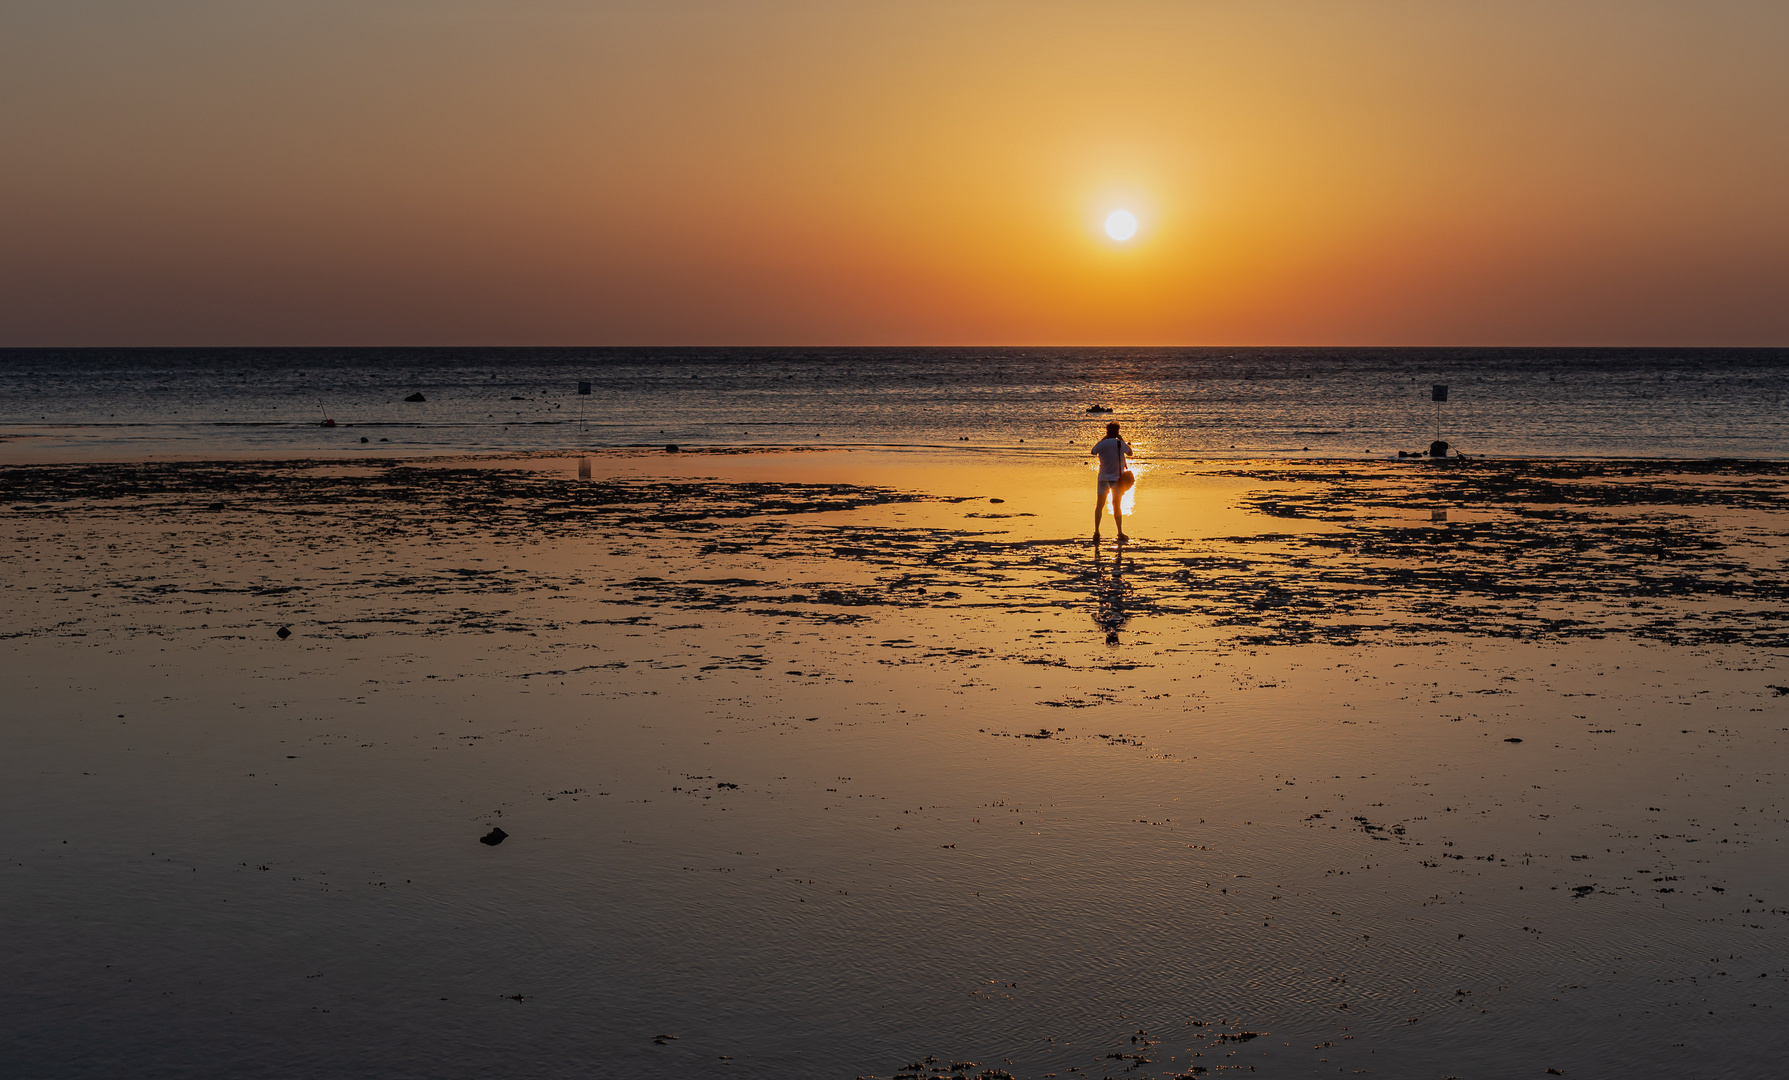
[{"x": 1438, "y": 394}]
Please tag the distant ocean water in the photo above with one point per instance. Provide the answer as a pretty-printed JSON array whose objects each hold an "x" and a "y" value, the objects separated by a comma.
[{"x": 1688, "y": 403}]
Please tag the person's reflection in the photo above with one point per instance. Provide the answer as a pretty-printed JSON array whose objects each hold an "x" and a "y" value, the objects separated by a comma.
[{"x": 1109, "y": 614}]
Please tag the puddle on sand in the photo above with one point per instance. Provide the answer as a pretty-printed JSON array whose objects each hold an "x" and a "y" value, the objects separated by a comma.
[{"x": 772, "y": 790}]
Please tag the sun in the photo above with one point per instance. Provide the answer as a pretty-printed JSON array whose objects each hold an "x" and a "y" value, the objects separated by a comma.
[{"x": 1121, "y": 225}]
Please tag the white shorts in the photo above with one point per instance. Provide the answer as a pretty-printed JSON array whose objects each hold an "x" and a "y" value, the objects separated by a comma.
[{"x": 1108, "y": 483}]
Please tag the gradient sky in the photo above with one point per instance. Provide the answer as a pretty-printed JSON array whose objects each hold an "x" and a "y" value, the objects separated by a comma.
[{"x": 1426, "y": 172}]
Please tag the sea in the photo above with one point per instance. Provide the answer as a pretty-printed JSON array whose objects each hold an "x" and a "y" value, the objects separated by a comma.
[{"x": 100, "y": 404}]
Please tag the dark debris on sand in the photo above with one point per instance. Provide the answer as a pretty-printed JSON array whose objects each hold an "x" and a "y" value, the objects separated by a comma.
[{"x": 1550, "y": 550}]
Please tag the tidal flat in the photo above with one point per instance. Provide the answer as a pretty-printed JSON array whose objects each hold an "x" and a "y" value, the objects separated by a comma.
[{"x": 870, "y": 764}]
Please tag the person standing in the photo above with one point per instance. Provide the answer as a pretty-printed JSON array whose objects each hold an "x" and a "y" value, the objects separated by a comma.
[{"x": 1113, "y": 477}]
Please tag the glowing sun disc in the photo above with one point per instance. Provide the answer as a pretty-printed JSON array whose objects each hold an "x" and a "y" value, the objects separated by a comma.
[{"x": 1121, "y": 225}]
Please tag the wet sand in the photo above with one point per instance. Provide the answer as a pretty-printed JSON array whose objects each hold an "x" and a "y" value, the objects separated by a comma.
[{"x": 829, "y": 764}]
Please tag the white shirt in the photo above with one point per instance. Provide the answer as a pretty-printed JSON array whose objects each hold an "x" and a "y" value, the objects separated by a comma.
[{"x": 1111, "y": 454}]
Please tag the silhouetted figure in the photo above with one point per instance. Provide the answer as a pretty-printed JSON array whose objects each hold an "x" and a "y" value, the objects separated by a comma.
[{"x": 1113, "y": 477}]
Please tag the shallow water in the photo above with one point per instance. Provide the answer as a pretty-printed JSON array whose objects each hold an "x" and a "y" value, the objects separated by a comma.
[
  {"x": 112, "y": 404},
  {"x": 965, "y": 826}
]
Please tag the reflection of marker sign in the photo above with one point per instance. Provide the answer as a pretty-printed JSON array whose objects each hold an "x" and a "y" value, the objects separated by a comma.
[{"x": 1439, "y": 393}]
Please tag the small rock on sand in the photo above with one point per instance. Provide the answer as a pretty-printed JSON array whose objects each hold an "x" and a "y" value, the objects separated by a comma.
[
  {"x": 284, "y": 632},
  {"x": 416, "y": 397},
  {"x": 494, "y": 837}
]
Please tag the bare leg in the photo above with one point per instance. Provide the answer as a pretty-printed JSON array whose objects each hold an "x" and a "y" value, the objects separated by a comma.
[
  {"x": 1099, "y": 509},
  {"x": 1119, "y": 494}
]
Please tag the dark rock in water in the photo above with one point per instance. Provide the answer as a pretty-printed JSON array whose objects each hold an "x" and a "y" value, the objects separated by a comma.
[
  {"x": 416, "y": 397},
  {"x": 1780, "y": 690},
  {"x": 363, "y": 438},
  {"x": 996, "y": 500},
  {"x": 1097, "y": 409},
  {"x": 284, "y": 632},
  {"x": 1512, "y": 739},
  {"x": 672, "y": 448},
  {"x": 1583, "y": 890},
  {"x": 1437, "y": 449},
  {"x": 494, "y": 837}
]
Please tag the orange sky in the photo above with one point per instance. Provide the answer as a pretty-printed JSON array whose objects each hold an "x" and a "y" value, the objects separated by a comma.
[{"x": 776, "y": 172}]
